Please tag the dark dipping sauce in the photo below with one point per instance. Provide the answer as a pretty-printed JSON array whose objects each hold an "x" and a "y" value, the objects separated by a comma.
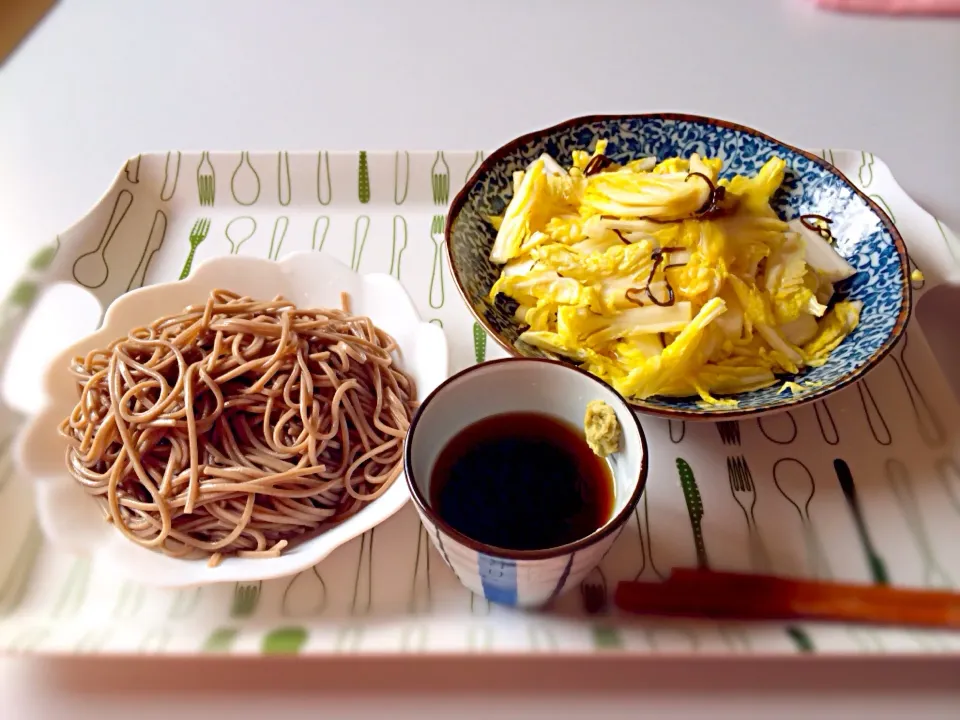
[{"x": 521, "y": 481}]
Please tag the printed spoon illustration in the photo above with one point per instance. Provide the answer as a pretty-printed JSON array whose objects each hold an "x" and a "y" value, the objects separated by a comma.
[
  {"x": 399, "y": 244},
  {"x": 132, "y": 170},
  {"x": 284, "y": 191},
  {"x": 436, "y": 272},
  {"x": 206, "y": 179},
  {"x": 646, "y": 546},
  {"x": 305, "y": 595},
  {"x": 401, "y": 176},
  {"x": 360, "y": 229},
  {"x": 691, "y": 494},
  {"x": 154, "y": 242},
  {"x": 878, "y": 569},
  {"x": 238, "y": 231},
  {"x": 928, "y": 423},
  {"x": 245, "y": 181},
  {"x": 828, "y": 428},
  {"x": 949, "y": 473},
  {"x": 363, "y": 178},
  {"x": 865, "y": 173},
  {"x": 899, "y": 478},
  {"x": 91, "y": 269},
  {"x": 780, "y": 428},
  {"x": 320, "y": 227},
  {"x": 284, "y": 641},
  {"x": 677, "y": 428},
  {"x": 795, "y": 482},
  {"x": 878, "y": 426},
  {"x": 220, "y": 640},
  {"x": 324, "y": 188},
  {"x": 279, "y": 233}
]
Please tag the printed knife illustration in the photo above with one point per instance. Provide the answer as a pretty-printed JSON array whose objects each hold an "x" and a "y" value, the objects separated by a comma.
[
  {"x": 691, "y": 494},
  {"x": 479, "y": 342},
  {"x": 363, "y": 179},
  {"x": 878, "y": 569}
]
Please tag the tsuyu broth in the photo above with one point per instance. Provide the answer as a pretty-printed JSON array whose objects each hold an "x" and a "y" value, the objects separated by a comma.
[{"x": 522, "y": 481}]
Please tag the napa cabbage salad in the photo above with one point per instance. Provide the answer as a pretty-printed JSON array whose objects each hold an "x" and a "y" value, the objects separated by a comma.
[{"x": 662, "y": 279}]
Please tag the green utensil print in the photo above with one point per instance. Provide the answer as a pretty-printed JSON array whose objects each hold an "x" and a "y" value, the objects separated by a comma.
[
  {"x": 284, "y": 641},
  {"x": 414, "y": 638},
  {"x": 305, "y": 595},
  {"x": 91, "y": 269},
  {"x": 283, "y": 178},
  {"x": 878, "y": 569},
  {"x": 73, "y": 592},
  {"x": 246, "y": 597},
  {"x": 360, "y": 229},
  {"x": 320, "y": 227},
  {"x": 17, "y": 580},
  {"x": 276, "y": 239},
  {"x": 155, "y": 640},
  {"x": 21, "y": 295},
  {"x": 934, "y": 575},
  {"x": 171, "y": 176},
  {"x": 324, "y": 188},
  {"x": 437, "y": 321},
  {"x": 399, "y": 244},
  {"x": 132, "y": 170},
  {"x": 43, "y": 257},
  {"x": 401, "y": 176},
  {"x": 801, "y": 639},
  {"x": 238, "y": 231},
  {"x": 129, "y": 600},
  {"x": 479, "y": 342},
  {"x": 436, "y": 297},
  {"x": 245, "y": 181},
  {"x": 220, "y": 640},
  {"x": 363, "y": 179},
  {"x": 949, "y": 472},
  {"x": 477, "y": 159},
  {"x": 479, "y": 638},
  {"x": 606, "y": 637},
  {"x": 206, "y": 179},
  {"x": 158, "y": 231},
  {"x": 691, "y": 494},
  {"x": 946, "y": 240},
  {"x": 440, "y": 180},
  {"x": 185, "y": 601},
  {"x": 865, "y": 173},
  {"x": 654, "y": 635},
  {"x": 198, "y": 233}
]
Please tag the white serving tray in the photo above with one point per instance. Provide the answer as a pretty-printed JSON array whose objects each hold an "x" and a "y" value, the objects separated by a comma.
[{"x": 388, "y": 592}]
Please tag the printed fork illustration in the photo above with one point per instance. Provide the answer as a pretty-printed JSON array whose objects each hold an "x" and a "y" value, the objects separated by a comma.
[
  {"x": 206, "y": 180},
  {"x": 745, "y": 493},
  {"x": 436, "y": 296},
  {"x": 440, "y": 180},
  {"x": 246, "y": 596},
  {"x": 197, "y": 235}
]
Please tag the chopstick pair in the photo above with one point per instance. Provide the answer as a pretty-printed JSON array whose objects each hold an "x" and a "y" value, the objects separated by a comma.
[{"x": 740, "y": 596}]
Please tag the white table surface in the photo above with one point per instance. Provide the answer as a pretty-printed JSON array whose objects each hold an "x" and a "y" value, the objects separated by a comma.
[{"x": 99, "y": 81}]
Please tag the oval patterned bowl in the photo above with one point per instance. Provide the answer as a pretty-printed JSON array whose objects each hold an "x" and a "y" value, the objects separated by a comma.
[{"x": 866, "y": 237}]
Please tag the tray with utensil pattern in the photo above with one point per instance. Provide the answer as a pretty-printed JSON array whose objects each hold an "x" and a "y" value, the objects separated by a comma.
[{"x": 864, "y": 487}]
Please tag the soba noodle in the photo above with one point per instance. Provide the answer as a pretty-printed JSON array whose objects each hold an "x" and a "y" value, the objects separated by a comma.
[{"x": 235, "y": 426}]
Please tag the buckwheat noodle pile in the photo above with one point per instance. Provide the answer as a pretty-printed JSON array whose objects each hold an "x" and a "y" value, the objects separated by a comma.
[{"x": 237, "y": 425}]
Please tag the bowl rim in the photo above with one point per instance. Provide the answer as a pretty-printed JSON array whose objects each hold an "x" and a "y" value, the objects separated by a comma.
[
  {"x": 612, "y": 525},
  {"x": 719, "y": 413}
]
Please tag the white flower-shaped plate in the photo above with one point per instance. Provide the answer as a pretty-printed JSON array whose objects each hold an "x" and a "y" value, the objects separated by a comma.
[{"x": 73, "y": 521}]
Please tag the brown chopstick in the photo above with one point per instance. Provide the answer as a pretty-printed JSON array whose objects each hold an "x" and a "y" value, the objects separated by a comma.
[{"x": 724, "y": 595}]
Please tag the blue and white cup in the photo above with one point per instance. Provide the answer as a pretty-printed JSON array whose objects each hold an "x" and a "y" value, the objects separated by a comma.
[{"x": 522, "y": 578}]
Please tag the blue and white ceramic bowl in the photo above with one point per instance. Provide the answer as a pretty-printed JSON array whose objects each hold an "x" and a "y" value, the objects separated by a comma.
[
  {"x": 522, "y": 578},
  {"x": 866, "y": 237}
]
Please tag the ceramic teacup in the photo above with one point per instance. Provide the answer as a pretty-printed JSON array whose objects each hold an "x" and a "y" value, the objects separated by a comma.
[{"x": 522, "y": 578}]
